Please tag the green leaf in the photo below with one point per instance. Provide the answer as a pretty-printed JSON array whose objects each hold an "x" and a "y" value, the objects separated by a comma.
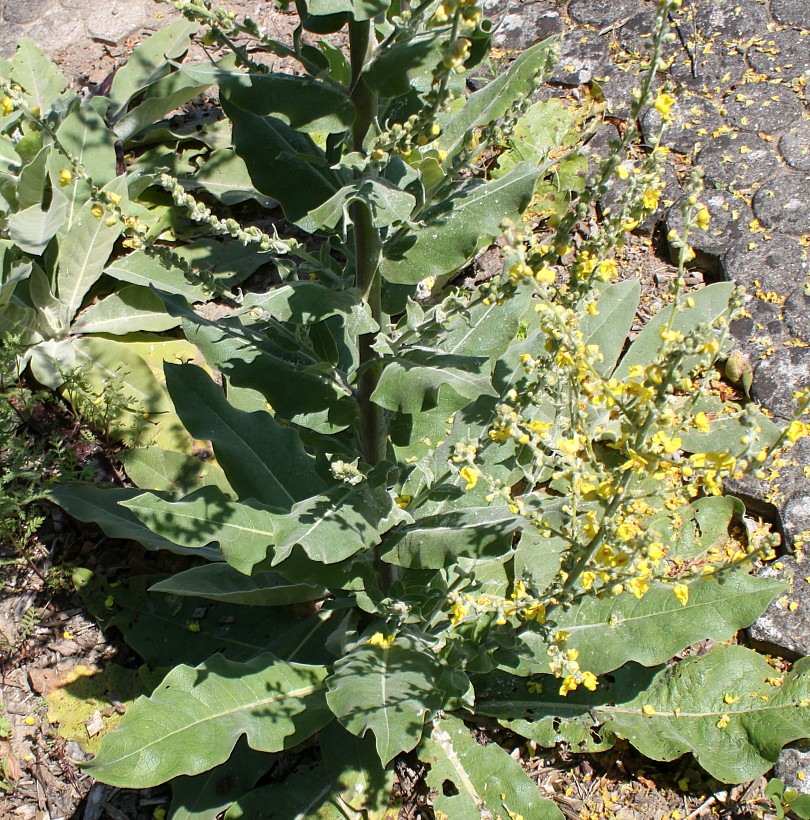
[
  {"x": 225, "y": 176},
  {"x": 41, "y": 81},
  {"x": 710, "y": 303},
  {"x": 229, "y": 262},
  {"x": 161, "y": 98},
  {"x": 303, "y": 303},
  {"x": 129, "y": 309},
  {"x": 283, "y": 163},
  {"x": 84, "y": 248},
  {"x": 274, "y": 703},
  {"x": 261, "y": 459},
  {"x": 690, "y": 699},
  {"x": 221, "y": 582},
  {"x": 396, "y": 70},
  {"x": 32, "y": 228},
  {"x": 458, "y": 227},
  {"x": 205, "y": 796},
  {"x": 303, "y": 103},
  {"x": 386, "y": 202},
  {"x": 388, "y": 690},
  {"x": 497, "y": 97},
  {"x": 153, "y": 468},
  {"x": 32, "y": 180},
  {"x": 359, "y": 9},
  {"x": 149, "y": 62},
  {"x": 101, "y": 506},
  {"x": 410, "y": 383},
  {"x": 243, "y": 530},
  {"x": 484, "y": 779},
  {"x": 608, "y": 330},
  {"x": 609, "y": 632},
  {"x": 436, "y": 541}
]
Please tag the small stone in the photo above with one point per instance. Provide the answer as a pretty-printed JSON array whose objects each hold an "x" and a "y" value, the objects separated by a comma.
[
  {"x": 729, "y": 221},
  {"x": 763, "y": 108},
  {"x": 600, "y": 14},
  {"x": 774, "y": 265},
  {"x": 783, "y": 55},
  {"x": 723, "y": 21},
  {"x": 779, "y": 628},
  {"x": 694, "y": 120},
  {"x": 795, "y": 146},
  {"x": 760, "y": 331},
  {"x": 783, "y": 204},
  {"x": 795, "y": 759},
  {"x": 582, "y": 56},
  {"x": 25, "y": 11},
  {"x": 797, "y": 314},
  {"x": 778, "y": 377},
  {"x": 739, "y": 161},
  {"x": 792, "y": 13},
  {"x": 527, "y": 24},
  {"x": 113, "y": 22}
]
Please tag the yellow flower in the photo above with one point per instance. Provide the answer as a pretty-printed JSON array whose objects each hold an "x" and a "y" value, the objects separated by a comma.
[
  {"x": 458, "y": 613},
  {"x": 97, "y": 211},
  {"x": 622, "y": 172},
  {"x": 650, "y": 199},
  {"x": 569, "y": 684},
  {"x": 519, "y": 270},
  {"x": 607, "y": 269},
  {"x": 114, "y": 198},
  {"x": 519, "y": 591},
  {"x": 730, "y": 699},
  {"x": 648, "y": 710},
  {"x": 587, "y": 579},
  {"x": 470, "y": 476},
  {"x": 378, "y": 639},
  {"x": 681, "y": 592},
  {"x": 701, "y": 422},
  {"x": 656, "y": 551},
  {"x": 663, "y": 105},
  {"x": 797, "y": 430},
  {"x": 65, "y": 176},
  {"x": 546, "y": 275},
  {"x": 403, "y": 501},
  {"x": 638, "y": 587},
  {"x": 535, "y": 612},
  {"x": 702, "y": 218},
  {"x": 723, "y": 722},
  {"x": 668, "y": 445},
  {"x": 589, "y": 681},
  {"x": 7, "y": 105}
]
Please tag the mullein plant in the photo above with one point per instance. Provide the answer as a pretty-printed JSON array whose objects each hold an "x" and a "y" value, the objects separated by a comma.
[{"x": 482, "y": 503}]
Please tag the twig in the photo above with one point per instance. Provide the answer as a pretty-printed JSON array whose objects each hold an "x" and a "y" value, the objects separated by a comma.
[{"x": 704, "y": 805}]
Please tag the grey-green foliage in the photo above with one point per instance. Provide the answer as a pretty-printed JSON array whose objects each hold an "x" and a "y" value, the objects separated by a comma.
[{"x": 345, "y": 403}]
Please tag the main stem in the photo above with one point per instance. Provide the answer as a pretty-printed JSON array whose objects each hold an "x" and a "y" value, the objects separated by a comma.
[{"x": 367, "y": 249}]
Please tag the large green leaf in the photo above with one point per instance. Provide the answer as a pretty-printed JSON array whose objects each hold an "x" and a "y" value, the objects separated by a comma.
[
  {"x": 396, "y": 70},
  {"x": 32, "y": 228},
  {"x": 229, "y": 262},
  {"x": 730, "y": 708},
  {"x": 473, "y": 781},
  {"x": 303, "y": 303},
  {"x": 84, "y": 248},
  {"x": 41, "y": 81},
  {"x": 614, "y": 630},
  {"x": 101, "y": 506},
  {"x": 410, "y": 383},
  {"x": 207, "y": 516},
  {"x": 261, "y": 459},
  {"x": 221, "y": 582},
  {"x": 388, "y": 690},
  {"x": 349, "y": 783},
  {"x": 274, "y": 703},
  {"x": 303, "y": 103},
  {"x": 608, "y": 330},
  {"x": 130, "y": 309},
  {"x": 709, "y": 303},
  {"x": 153, "y": 468},
  {"x": 386, "y": 202},
  {"x": 458, "y": 227},
  {"x": 283, "y": 163},
  {"x": 225, "y": 176},
  {"x": 205, "y": 796},
  {"x": 31, "y": 183},
  {"x": 498, "y": 96},
  {"x": 149, "y": 62},
  {"x": 436, "y": 541}
]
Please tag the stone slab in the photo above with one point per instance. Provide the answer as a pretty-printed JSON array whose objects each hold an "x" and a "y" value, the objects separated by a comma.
[
  {"x": 763, "y": 329},
  {"x": 694, "y": 119},
  {"x": 113, "y": 22},
  {"x": 739, "y": 161},
  {"x": 777, "y": 377},
  {"x": 10, "y": 34},
  {"x": 797, "y": 313},
  {"x": 712, "y": 72},
  {"x": 56, "y": 30},
  {"x": 25, "y": 11},
  {"x": 730, "y": 219},
  {"x": 783, "y": 204},
  {"x": 792, "y": 13},
  {"x": 525, "y": 24},
  {"x": 776, "y": 265},
  {"x": 781, "y": 55},
  {"x": 795, "y": 146},
  {"x": 726, "y": 21},
  {"x": 763, "y": 108},
  {"x": 793, "y": 761},
  {"x": 582, "y": 56},
  {"x": 600, "y": 14}
]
